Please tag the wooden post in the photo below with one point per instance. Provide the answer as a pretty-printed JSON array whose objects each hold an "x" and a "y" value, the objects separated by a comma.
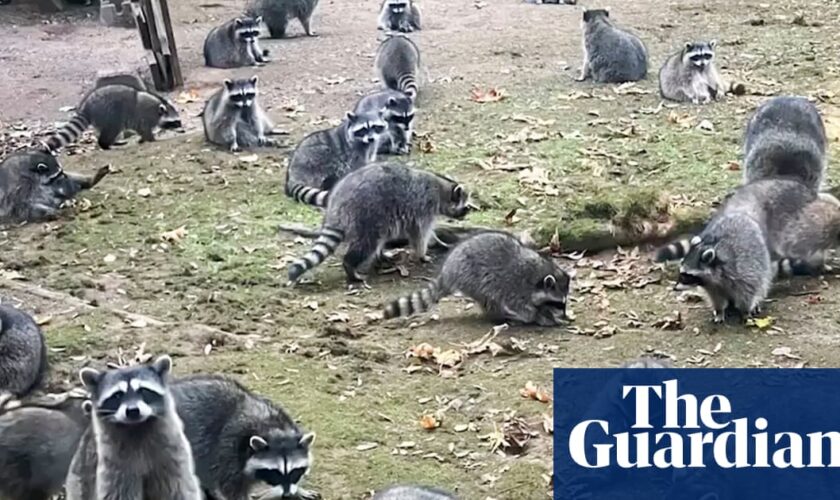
[{"x": 155, "y": 28}]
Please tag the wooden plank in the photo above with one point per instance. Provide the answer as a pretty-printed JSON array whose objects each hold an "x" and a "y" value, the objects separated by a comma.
[{"x": 177, "y": 79}]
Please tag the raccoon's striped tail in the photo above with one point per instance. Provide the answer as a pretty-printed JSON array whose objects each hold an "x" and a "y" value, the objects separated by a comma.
[
  {"x": 797, "y": 267},
  {"x": 309, "y": 195},
  {"x": 676, "y": 250},
  {"x": 417, "y": 302},
  {"x": 324, "y": 246},
  {"x": 408, "y": 85},
  {"x": 68, "y": 133}
]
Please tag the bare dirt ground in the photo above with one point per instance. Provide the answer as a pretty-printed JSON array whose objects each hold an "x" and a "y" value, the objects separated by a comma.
[{"x": 553, "y": 156}]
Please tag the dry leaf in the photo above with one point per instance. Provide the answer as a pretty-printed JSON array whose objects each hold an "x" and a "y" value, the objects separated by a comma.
[
  {"x": 175, "y": 235},
  {"x": 429, "y": 422},
  {"x": 761, "y": 323},
  {"x": 786, "y": 352},
  {"x": 366, "y": 446},
  {"x": 187, "y": 96},
  {"x": 531, "y": 391},
  {"x": 492, "y": 94}
]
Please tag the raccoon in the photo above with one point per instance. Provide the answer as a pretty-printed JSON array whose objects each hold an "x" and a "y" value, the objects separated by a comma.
[
  {"x": 647, "y": 362},
  {"x": 610, "y": 54},
  {"x": 235, "y": 44},
  {"x": 398, "y": 112},
  {"x": 399, "y": 15},
  {"x": 397, "y": 64},
  {"x": 136, "y": 448},
  {"x": 126, "y": 79},
  {"x": 324, "y": 157},
  {"x": 23, "y": 353},
  {"x": 111, "y": 110},
  {"x": 808, "y": 236},
  {"x": 240, "y": 439},
  {"x": 233, "y": 118},
  {"x": 38, "y": 439},
  {"x": 786, "y": 138},
  {"x": 276, "y": 14},
  {"x": 510, "y": 282},
  {"x": 33, "y": 186},
  {"x": 376, "y": 204},
  {"x": 411, "y": 492},
  {"x": 690, "y": 75}
]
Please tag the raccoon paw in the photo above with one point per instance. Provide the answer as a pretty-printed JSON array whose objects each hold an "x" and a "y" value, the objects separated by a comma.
[
  {"x": 718, "y": 317},
  {"x": 308, "y": 495},
  {"x": 266, "y": 52},
  {"x": 234, "y": 148},
  {"x": 266, "y": 142}
]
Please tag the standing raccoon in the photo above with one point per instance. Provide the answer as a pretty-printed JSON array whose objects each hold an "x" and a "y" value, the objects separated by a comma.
[
  {"x": 410, "y": 492},
  {"x": 325, "y": 156},
  {"x": 397, "y": 64},
  {"x": 276, "y": 14},
  {"x": 398, "y": 112},
  {"x": 33, "y": 186},
  {"x": 234, "y": 119},
  {"x": 37, "y": 442},
  {"x": 786, "y": 138},
  {"x": 111, "y": 110},
  {"x": 377, "y": 204},
  {"x": 23, "y": 353},
  {"x": 510, "y": 282},
  {"x": 240, "y": 440},
  {"x": 610, "y": 54},
  {"x": 690, "y": 75},
  {"x": 135, "y": 448},
  {"x": 235, "y": 44},
  {"x": 399, "y": 15}
]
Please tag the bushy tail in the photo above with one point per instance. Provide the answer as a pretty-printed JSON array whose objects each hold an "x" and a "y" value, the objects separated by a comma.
[
  {"x": 324, "y": 246},
  {"x": 675, "y": 250},
  {"x": 417, "y": 302},
  {"x": 407, "y": 84},
  {"x": 308, "y": 195},
  {"x": 796, "y": 267},
  {"x": 68, "y": 134}
]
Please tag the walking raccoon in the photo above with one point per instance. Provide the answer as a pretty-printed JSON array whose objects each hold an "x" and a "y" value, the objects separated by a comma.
[
  {"x": 23, "y": 353},
  {"x": 610, "y": 54},
  {"x": 397, "y": 64},
  {"x": 235, "y": 44},
  {"x": 276, "y": 14}
]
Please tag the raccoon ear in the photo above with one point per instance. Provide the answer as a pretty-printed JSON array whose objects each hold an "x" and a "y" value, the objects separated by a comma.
[
  {"x": 549, "y": 282},
  {"x": 257, "y": 443},
  {"x": 228, "y": 84},
  {"x": 307, "y": 440},
  {"x": 351, "y": 116},
  {"x": 90, "y": 378},
  {"x": 713, "y": 43},
  {"x": 253, "y": 80},
  {"x": 695, "y": 241},
  {"x": 162, "y": 109},
  {"x": 162, "y": 365},
  {"x": 258, "y": 20},
  {"x": 708, "y": 256},
  {"x": 238, "y": 22},
  {"x": 42, "y": 168},
  {"x": 457, "y": 193},
  {"x": 87, "y": 407},
  {"x": 392, "y": 101},
  {"x": 688, "y": 45}
]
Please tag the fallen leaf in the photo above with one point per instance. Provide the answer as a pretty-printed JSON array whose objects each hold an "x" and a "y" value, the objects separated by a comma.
[
  {"x": 110, "y": 258},
  {"x": 144, "y": 192},
  {"x": 531, "y": 391},
  {"x": 786, "y": 352},
  {"x": 338, "y": 317},
  {"x": 706, "y": 126},
  {"x": 492, "y": 94},
  {"x": 249, "y": 158},
  {"x": 187, "y": 96},
  {"x": 429, "y": 422},
  {"x": 762, "y": 323},
  {"x": 366, "y": 446},
  {"x": 175, "y": 235}
]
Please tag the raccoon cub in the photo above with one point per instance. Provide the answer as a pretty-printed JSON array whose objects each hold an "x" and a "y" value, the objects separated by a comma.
[
  {"x": 376, "y": 204},
  {"x": 510, "y": 282},
  {"x": 233, "y": 118},
  {"x": 398, "y": 112},
  {"x": 690, "y": 75},
  {"x": 111, "y": 110},
  {"x": 33, "y": 186},
  {"x": 135, "y": 448},
  {"x": 235, "y": 44},
  {"x": 37, "y": 441},
  {"x": 23, "y": 353},
  {"x": 409, "y": 492},
  {"x": 397, "y": 64},
  {"x": 276, "y": 14},
  {"x": 786, "y": 138},
  {"x": 240, "y": 439},
  {"x": 610, "y": 54},
  {"x": 399, "y": 15},
  {"x": 324, "y": 157}
]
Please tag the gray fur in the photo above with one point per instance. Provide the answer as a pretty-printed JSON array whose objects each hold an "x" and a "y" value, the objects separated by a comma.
[
  {"x": 376, "y": 204},
  {"x": 234, "y": 119},
  {"x": 37, "y": 442},
  {"x": 111, "y": 110},
  {"x": 23, "y": 352},
  {"x": 809, "y": 235},
  {"x": 276, "y": 14},
  {"x": 235, "y": 44},
  {"x": 411, "y": 492},
  {"x": 397, "y": 64},
  {"x": 135, "y": 448},
  {"x": 324, "y": 157},
  {"x": 399, "y": 15},
  {"x": 33, "y": 186},
  {"x": 220, "y": 419},
  {"x": 510, "y": 282},
  {"x": 647, "y": 362},
  {"x": 690, "y": 75},
  {"x": 398, "y": 113},
  {"x": 786, "y": 138},
  {"x": 610, "y": 54},
  {"x": 126, "y": 79}
]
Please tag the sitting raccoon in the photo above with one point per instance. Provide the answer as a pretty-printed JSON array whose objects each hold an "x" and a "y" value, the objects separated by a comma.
[
  {"x": 376, "y": 204},
  {"x": 397, "y": 64},
  {"x": 23, "y": 353},
  {"x": 411, "y": 492},
  {"x": 786, "y": 138},
  {"x": 240, "y": 440},
  {"x": 234, "y": 119},
  {"x": 610, "y": 54},
  {"x": 399, "y": 15},
  {"x": 398, "y": 112},
  {"x": 276, "y": 14},
  {"x": 235, "y": 44},
  {"x": 33, "y": 186},
  {"x": 510, "y": 282},
  {"x": 113, "y": 109},
  {"x": 690, "y": 75}
]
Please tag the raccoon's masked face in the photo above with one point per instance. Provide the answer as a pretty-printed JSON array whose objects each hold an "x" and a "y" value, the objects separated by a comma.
[
  {"x": 247, "y": 29},
  {"x": 551, "y": 294},
  {"x": 281, "y": 461},
  {"x": 169, "y": 117},
  {"x": 400, "y": 118},
  {"x": 397, "y": 7},
  {"x": 699, "y": 55},
  {"x": 129, "y": 396},
  {"x": 242, "y": 93},
  {"x": 700, "y": 267},
  {"x": 365, "y": 130}
]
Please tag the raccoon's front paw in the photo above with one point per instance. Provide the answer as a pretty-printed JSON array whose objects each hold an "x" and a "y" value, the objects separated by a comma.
[
  {"x": 718, "y": 317},
  {"x": 266, "y": 142},
  {"x": 234, "y": 148},
  {"x": 265, "y": 52},
  {"x": 308, "y": 495}
]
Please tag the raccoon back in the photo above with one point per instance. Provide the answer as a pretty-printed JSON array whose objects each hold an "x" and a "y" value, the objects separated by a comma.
[
  {"x": 320, "y": 160},
  {"x": 23, "y": 353},
  {"x": 223, "y": 50},
  {"x": 411, "y": 492},
  {"x": 615, "y": 56},
  {"x": 397, "y": 56}
]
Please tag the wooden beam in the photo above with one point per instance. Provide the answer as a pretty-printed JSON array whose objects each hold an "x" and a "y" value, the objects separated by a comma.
[{"x": 155, "y": 28}]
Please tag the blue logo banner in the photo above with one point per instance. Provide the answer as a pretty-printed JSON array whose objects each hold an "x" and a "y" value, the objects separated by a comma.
[{"x": 696, "y": 434}]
